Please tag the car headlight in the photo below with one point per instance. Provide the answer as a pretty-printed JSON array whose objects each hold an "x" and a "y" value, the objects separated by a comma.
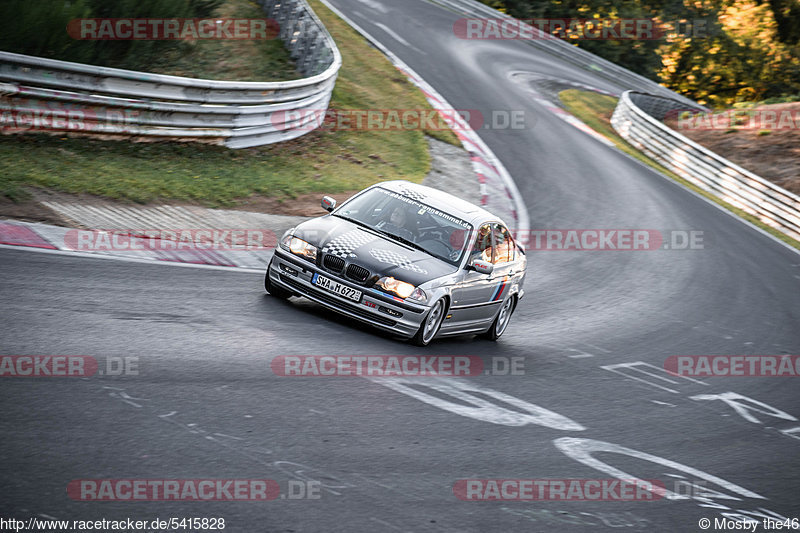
[
  {"x": 302, "y": 248},
  {"x": 286, "y": 240},
  {"x": 400, "y": 288},
  {"x": 418, "y": 295}
]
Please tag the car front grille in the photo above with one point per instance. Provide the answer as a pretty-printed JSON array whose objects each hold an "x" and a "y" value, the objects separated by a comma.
[
  {"x": 333, "y": 263},
  {"x": 321, "y": 295},
  {"x": 357, "y": 273}
]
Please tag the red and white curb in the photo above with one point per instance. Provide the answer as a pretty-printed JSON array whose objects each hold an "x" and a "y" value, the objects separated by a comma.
[
  {"x": 560, "y": 112},
  {"x": 574, "y": 121},
  {"x": 54, "y": 239},
  {"x": 499, "y": 193}
]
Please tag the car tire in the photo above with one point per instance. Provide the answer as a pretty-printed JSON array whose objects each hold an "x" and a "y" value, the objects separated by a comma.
[
  {"x": 277, "y": 292},
  {"x": 432, "y": 323},
  {"x": 502, "y": 320}
]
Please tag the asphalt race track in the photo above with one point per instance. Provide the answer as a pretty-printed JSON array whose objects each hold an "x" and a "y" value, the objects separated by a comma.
[{"x": 384, "y": 455}]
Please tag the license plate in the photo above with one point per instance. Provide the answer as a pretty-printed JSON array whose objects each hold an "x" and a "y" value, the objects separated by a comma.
[{"x": 337, "y": 288}]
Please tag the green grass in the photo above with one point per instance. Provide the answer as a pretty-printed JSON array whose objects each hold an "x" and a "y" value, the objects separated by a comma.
[
  {"x": 322, "y": 161},
  {"x": 238, "y": 60},
  {"x": 774, "y": 100},
  {"x": 595, "y": 110}
]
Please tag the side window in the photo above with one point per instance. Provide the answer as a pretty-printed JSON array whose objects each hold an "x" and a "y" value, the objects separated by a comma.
[
  {"x": 483, "y": 244},
  {"x": 504, "y": 247}
]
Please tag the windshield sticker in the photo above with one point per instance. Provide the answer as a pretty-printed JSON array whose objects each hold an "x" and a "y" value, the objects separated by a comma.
[{"x": 422, "y": 208}]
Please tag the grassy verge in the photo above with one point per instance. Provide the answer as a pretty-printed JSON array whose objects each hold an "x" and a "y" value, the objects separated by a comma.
[
  {"x": 596, "y": 109},
  {"x": 239, "y": 60},
  {"x": 45, "y": 28},
  {"x": 322, "y": 161}
]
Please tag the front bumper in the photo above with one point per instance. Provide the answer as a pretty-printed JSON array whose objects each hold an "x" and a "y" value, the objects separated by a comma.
[{"x": 374, "y": 308}]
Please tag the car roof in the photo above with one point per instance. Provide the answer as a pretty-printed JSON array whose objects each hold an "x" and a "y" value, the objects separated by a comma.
[{"x": 440, "y": 200}]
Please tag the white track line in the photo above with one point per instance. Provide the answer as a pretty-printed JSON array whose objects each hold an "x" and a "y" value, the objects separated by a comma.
[{"x": 131, "y": 259}]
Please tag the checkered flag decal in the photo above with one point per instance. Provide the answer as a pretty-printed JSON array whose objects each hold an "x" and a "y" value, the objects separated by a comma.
[
  {"x": 393, "y": 258},
  {"x": 412, "y": 194},
  {"x": 343, "y": 245}
]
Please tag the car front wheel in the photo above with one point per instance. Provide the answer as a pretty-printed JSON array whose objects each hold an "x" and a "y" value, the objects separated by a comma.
[
  {"x": 503, "y": 318},
  {"x": 430, "y": 326}
]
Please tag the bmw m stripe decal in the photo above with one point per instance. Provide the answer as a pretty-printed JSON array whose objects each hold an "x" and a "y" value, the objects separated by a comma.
[
  {"x": 388, "y": 295},
  {"x": 498, "y": 292}
]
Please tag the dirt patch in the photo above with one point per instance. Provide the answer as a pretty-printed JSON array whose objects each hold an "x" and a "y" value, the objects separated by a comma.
[
  {"x": 29, "y": 211},
  {"x": 305, "y": 205},
  {"x": 772, "y": 153}
]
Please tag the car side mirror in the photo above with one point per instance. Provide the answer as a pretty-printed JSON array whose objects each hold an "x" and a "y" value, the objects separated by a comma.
[
  {"x": 484, "y": 267},
  {"x": 328, "y": 203}
]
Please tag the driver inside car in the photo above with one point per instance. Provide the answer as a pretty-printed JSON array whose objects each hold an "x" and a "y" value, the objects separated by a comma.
[
  {"x": 398, "y": 224},
  {"x": 483, "y": 244},
  {"x": 504, "y": 247}
]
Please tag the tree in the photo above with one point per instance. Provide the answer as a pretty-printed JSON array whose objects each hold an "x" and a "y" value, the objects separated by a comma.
[{"x": 750, "y": 51}]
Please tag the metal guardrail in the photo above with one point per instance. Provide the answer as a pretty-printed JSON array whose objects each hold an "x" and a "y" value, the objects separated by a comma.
[
  {"x": 49, "y": 95},
  {"x": 637, "y": 119}
]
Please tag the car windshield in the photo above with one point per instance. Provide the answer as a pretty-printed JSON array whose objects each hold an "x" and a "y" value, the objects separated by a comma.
[{"x": 410, "y": 222}]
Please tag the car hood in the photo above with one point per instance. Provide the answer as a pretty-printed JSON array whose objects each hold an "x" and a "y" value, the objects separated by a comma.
[{"x": 380, "y": 255}]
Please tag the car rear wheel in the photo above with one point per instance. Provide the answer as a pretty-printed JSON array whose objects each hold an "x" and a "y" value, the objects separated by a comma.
[
  {"x": 430, "y": 326},
  {"x": 277, "y": 292},
  {"x": 503, "y": 318}
]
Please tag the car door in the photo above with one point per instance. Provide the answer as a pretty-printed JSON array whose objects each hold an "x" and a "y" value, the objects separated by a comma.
[
  {"x": 505, "y": 263},
  {"x": 473, "y": 295}
]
